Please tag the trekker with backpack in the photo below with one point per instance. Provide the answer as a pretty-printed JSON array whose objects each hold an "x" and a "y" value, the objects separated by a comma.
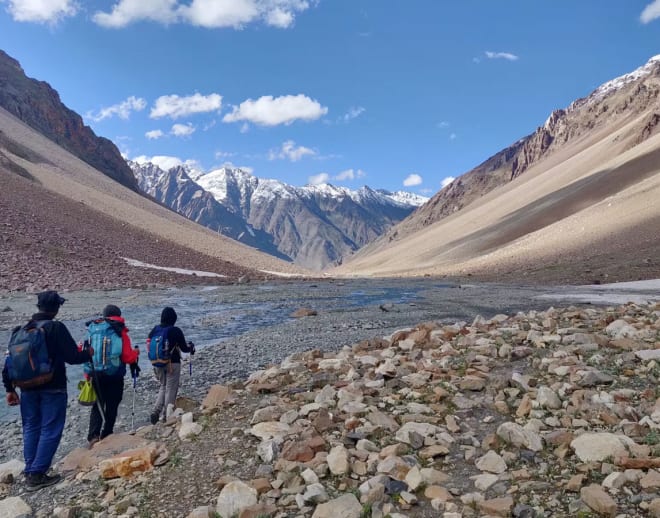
[
  {"x": 35, "y": 364},
  {"x": 164, "y": 345},
  {"x": 108, "y": 337}
]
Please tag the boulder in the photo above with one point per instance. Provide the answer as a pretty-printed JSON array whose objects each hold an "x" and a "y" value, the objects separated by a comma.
[
  {"x": 14, "y": 507},
  {"x": 216, "y": 397},
  {"x": 235, "y": 497},
  {"x": 346, "y": 506},
  {"x": 598, "y": 500},
  {"x": 597, "y": 447},
  {"x": 128, "y": 463},
  {"x": 338, "y": 460},
  {"x": 516, "y": 435},
  {"x": 492, "y": 463}
]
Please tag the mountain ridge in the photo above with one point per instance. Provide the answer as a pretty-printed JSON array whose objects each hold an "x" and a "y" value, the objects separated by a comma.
[
  {"x": 518, "y": 199},
  {"x": 314, "y": 225},
  {"x": 39, "y": 106}
]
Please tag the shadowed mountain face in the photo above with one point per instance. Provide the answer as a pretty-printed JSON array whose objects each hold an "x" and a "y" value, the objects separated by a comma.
[
  {"x": 39, "y": 106},
  {"x": 576, "y": 201},
  {"x": 313, "y": 226}
]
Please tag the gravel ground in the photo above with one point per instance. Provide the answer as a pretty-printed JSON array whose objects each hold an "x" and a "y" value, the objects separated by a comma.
[{"x": 243, "y": 328}]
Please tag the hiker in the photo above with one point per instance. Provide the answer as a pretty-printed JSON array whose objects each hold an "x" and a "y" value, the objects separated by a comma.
[
  {"x": 165, "y": 344},
  {"x": 108, "y": 336},
  {"x": 35, "y": 364}
]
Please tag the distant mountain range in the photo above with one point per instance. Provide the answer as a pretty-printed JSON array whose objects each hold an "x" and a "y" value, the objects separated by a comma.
[{"x": 313, "y": 226}]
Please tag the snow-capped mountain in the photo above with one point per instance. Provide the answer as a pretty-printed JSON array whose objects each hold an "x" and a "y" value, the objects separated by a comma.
[{"x": 314, "y": 226}]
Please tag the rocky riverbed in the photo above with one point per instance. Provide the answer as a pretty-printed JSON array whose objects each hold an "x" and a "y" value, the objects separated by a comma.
[{"x": 463, "y": 371}]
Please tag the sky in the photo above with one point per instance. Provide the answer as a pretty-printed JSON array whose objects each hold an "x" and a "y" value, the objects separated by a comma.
[{"x": 394, "y": 94}]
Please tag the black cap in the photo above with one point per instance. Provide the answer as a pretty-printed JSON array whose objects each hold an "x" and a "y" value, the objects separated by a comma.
[
  {"x": 111, "y": 311},
  {"x": 168, "y": 317},
  {"x": 49, "y": 301}
]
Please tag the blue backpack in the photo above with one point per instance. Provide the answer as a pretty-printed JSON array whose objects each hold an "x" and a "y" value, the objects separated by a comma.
[
  {"x": 29, "y": 362},
  {"x": 159, "y": 348},
  {"x": 107, "y": 345}
]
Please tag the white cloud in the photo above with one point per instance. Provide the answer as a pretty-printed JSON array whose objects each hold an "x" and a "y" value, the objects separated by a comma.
[
  {"x": 353, "y": 113},
  {"x": 166, "y": 162},
  {"x": 453, "y": 136},
  {"x": 273, "y": 111},
  {"x": 125, "y": 12},
  {"x": 501, "y": 55},
  {"x": 183, "y": 130},
  {"x": 154, "y": 134},
  {"x": 350, "y": 174},
  {"x": 122, "y": 110},
  {"x": 163, "y": 161},
  {"x": 223, "y": 154},
  {"x": 318, "y": 179},
  {"x": 446, "y": 181},
  {"x": 289, "y": 151},
  {"x": 174, "y": 107},
  {"x": 412, "y": 180},
  {"x": 443, "y": 124},
  {"x": 231, "y": 165},
  {"x": 211, "y": 14},
  {"x": 651, "y": 12},
  {"x": 41, "y": 11}
]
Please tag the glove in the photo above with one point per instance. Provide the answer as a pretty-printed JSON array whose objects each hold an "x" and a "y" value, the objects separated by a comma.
[
  {"x": 135, "y": 370},
  {"x": 192, "y": 347}
]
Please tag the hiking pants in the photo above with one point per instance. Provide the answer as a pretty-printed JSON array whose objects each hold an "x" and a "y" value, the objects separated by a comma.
[
  {"x": 168, "y": 377},
  {"x": 43, "y": 413},
  {"x": 109, "y": 393}
]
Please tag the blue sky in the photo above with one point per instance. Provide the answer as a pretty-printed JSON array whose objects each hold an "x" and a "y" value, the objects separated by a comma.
[{"x": 376, "y": 92}]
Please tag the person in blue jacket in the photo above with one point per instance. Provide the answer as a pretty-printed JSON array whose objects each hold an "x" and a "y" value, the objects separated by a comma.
[{"x": 43, "y": 408}]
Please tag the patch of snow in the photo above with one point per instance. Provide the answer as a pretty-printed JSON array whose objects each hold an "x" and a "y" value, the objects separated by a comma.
[
  {"x": 198, "y": 273},
  {"x": 251, "y": 232},
  {"x": 616, "y": 293},
  {"x": 408, "y": 198},
  {"x": 621, "y": 81},
  {"x": 282, "y": 274}
]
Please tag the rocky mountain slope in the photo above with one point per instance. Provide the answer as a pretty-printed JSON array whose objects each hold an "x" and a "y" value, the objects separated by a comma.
[
  {"x": 67, "y": 225},
  {"x": 580, "y": 187},
  {"x": 39, "y": 106},
  {"x": 314, "y": 226}
]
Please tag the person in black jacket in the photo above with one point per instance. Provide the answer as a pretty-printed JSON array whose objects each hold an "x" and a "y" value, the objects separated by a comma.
[
  {"x": 43, "y": 408},
  {"x": 169, "y": 376}
]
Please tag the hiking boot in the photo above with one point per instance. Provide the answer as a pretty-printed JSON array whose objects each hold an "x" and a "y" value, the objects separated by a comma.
[
  {"x": 36, "y": 481},
  {"x": 154, "y": 417},
  {"x": 92, "y": 442}
]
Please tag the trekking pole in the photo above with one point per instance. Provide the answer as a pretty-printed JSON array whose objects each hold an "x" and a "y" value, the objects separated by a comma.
[
  {"x": 133, "y": 412},
  {"x": 99, "y": 395}
]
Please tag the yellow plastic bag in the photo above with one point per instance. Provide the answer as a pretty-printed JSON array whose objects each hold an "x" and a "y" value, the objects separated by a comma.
[{"x": 87, "y": 395}]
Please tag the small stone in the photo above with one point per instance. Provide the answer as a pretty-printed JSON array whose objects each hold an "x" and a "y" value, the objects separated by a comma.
[{"x": 338, "y": 460}]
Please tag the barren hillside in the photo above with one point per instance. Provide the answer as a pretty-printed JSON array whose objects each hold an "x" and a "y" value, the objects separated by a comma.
[
  {"x": 64, "y": 224},
  {"x": 577, "y": 201}
]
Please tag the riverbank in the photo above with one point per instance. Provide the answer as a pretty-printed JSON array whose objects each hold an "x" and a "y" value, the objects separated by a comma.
[
  {"x": 242, "y": 328},
  {"x": 527, "y": 414}
]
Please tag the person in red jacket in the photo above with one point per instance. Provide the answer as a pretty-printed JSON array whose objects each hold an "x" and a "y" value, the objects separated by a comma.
[{"x": 110, "y": 388}]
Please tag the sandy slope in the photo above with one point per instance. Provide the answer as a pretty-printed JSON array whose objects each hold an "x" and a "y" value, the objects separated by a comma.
[
  {"x": 585, "y": 209},
  {"x": 62, "y": 173}
]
